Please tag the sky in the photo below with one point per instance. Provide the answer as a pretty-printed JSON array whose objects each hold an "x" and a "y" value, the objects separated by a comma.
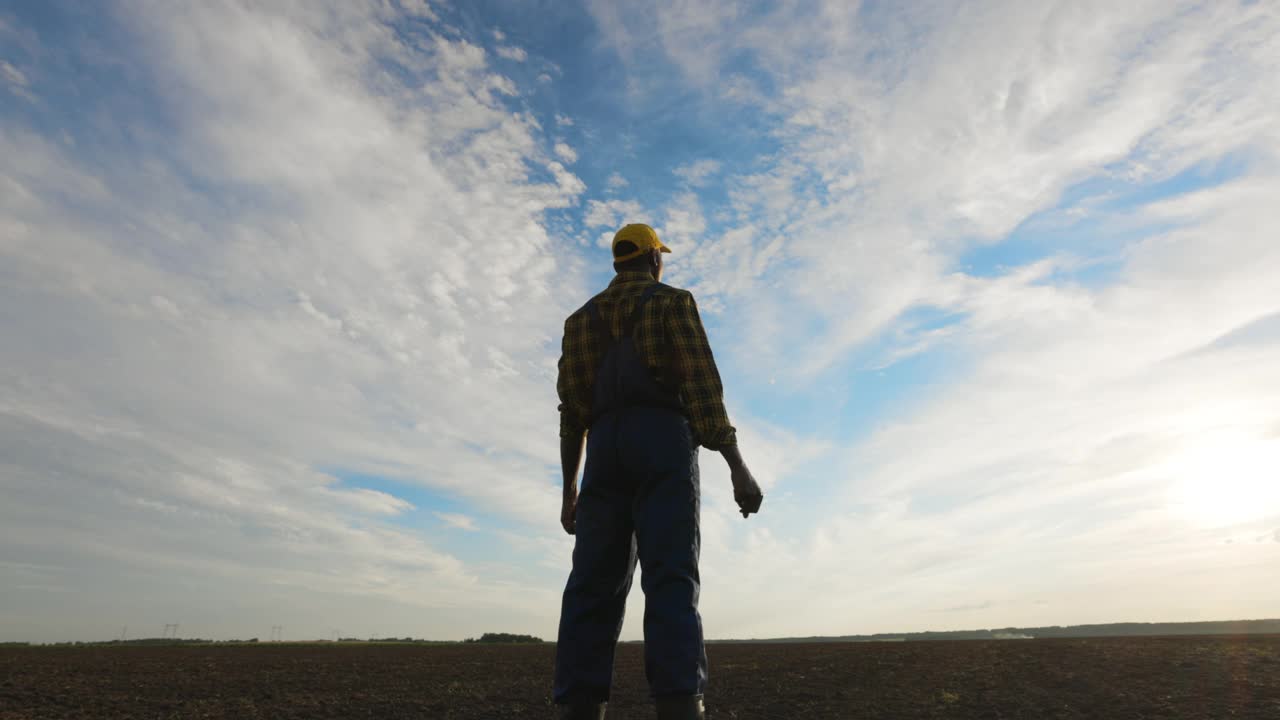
[{"x": 994, "y": 288}]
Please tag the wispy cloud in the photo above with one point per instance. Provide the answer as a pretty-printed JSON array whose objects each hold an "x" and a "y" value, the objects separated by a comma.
[
  {"x": 968, "y": 608},
  {"x": 457, "y": 520},
  {"x": 566, "y": 153},
  {"x": 16, "y": 81},
  {"x": 510, "y": 52},
  {"x": 698, "y": 172},
  {"x": 611, "y": 214}
]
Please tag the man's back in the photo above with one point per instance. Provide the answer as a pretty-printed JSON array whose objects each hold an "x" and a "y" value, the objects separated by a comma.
[{"x": 671, "y": 341}]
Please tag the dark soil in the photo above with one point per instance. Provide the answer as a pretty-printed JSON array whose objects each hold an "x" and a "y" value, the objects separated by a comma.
[{"x": 1122, "y": 678}]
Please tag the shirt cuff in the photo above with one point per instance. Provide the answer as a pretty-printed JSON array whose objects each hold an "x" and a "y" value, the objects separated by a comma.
[
  {"x": 721, "y": 438},
  {"x": 571, "y": 429}
]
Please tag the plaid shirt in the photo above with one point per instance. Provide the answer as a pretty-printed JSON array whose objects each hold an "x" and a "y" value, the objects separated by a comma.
[{"x": 671, "y": 341}]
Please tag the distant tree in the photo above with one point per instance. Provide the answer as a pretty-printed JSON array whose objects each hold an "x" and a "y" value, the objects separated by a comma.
[{"x": 504, "y": 638}]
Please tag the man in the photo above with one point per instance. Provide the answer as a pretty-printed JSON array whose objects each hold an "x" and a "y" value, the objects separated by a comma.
[{"x": 638, "y": 382}]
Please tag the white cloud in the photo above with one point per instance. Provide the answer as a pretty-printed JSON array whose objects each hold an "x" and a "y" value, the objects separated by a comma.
[
  {"x": 371, "y": 501},
  {"x": 457, "y": 520},
  {"x": 515, "y": 54},
  {"x": 616, "y": 181},
  {"x": 690, "y": 33},
  {"x": 684, "y": 218},
  {"x": 564, "y": 120},
  {"x": 503, "y": 85},
  {"x": 696, "y": 173},
  {"x": 611, "y": 214},
  {"x": 743, "y": 90},
  {"x": 420, "y": 8},
  {"x": 12, "y": 75},
  {"x": 16, "y": 81},
  {"x": 566, "y": 153}
]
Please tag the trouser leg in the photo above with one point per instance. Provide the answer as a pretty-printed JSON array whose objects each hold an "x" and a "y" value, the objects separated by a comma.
[
  {"x": 604, "y": 558},
  {"x": 665, "y": 514}
]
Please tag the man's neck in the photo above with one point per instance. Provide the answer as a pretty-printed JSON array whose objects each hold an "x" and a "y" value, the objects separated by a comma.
[{"x": 634, "y": 276}]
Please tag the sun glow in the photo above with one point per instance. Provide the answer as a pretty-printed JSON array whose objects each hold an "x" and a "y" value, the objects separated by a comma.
[{"x": 1228, "y": 481}]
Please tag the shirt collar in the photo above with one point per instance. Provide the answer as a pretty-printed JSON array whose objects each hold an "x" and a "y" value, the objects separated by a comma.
[{"x": 631, "y": 276}]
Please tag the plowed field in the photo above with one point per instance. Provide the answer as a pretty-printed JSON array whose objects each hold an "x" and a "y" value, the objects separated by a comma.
[{"x": 1186, "y": 677}]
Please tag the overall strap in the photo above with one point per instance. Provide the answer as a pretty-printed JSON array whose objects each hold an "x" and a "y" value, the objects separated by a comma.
[{"x": 630, "y": 326}]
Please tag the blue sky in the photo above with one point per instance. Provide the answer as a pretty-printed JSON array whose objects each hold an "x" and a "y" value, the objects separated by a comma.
[{"x": 991, "y": 286}]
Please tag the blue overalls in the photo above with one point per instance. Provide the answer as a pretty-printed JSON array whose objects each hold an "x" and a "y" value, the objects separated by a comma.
[{"x": 638, "y": 499}]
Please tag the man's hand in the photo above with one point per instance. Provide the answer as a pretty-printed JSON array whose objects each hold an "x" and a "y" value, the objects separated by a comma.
[
  {"x": 746, "y": 491},
  {"x": 570, "y": 457},
  {"x": 569, "y": 512}
]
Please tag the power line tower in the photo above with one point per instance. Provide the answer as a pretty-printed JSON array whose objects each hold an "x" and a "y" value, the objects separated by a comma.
[
  {"x": 277, "y": 633},
  {"x": 170, "y": 627},
  {"x": 124, "y": 633}
]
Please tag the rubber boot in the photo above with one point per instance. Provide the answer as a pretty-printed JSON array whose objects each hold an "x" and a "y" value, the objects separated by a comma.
[
  {"x": 582, "y": 711},
  {"x": 681, "y": 707}
]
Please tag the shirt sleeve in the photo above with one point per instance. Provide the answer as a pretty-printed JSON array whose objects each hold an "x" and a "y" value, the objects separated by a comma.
[
  {"x": 696, "y": 373},
  {"x": 573, "y": 384}
]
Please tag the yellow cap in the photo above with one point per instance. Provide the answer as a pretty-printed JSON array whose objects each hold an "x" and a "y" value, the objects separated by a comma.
[{"x": 642, "y": 236}]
